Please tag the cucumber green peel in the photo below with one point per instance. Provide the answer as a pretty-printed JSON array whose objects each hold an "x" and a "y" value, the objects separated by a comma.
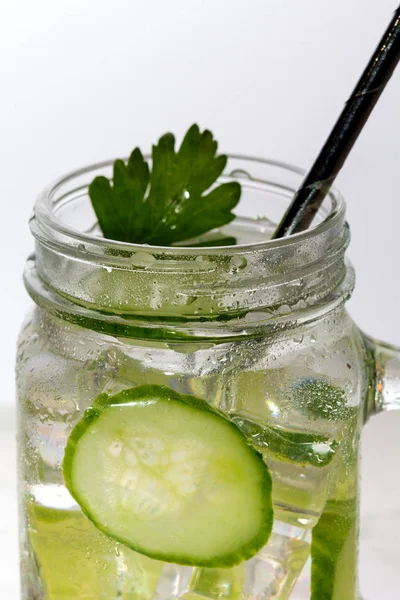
[
  {"x": 170, "y": 477},
  {"x": 302, "y": 448}
]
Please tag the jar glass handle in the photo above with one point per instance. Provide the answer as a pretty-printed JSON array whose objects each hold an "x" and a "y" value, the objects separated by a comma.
[
  {"x": 383, "y": 363},
  {"x": 379, "y": 519}
]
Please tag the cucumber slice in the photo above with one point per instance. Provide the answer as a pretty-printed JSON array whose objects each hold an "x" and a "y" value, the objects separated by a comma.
[
  {"x": 170, "y": 477},
  {"x": 334, "y": 552},
  {"x": 302, "y": 448}
]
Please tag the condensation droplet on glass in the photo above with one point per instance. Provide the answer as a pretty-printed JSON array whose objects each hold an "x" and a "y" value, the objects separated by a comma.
[
  {"x": 143, "y": 259},
  {"x": 205, "y": 262},
  {"x": 240, "y": 173},
  {"x": 237, "y": 263},
  {"x": 349, "y": 386}
]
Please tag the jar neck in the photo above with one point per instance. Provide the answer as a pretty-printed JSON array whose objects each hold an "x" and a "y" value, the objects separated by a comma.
[
  {"x": 267, "y": 281},
  {"x": 223, "y": 328},
  {"x": 229, "y": 308}
]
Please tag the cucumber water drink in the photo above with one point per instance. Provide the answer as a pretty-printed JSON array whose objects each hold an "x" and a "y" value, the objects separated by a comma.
[{"x": 188, "y": 426}]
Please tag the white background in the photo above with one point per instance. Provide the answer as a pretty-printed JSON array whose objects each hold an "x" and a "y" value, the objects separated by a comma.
[{"x": 84, "y": 80}]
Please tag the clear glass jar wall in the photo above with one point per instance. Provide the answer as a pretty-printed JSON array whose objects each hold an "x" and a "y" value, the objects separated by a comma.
[{"x": 258, "y": 330}]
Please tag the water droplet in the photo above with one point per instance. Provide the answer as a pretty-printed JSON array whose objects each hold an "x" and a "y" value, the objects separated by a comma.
[
  {"x": 108, "y": 269},
  {"x": 143, "y": 259},
  {"x": 202, "y": 260},
  {"x": 237, "y": 263},
  {"x": 297, "y": 282},
  {"x": 240, "y": 173},
  {"x": 82, "y": 248}
]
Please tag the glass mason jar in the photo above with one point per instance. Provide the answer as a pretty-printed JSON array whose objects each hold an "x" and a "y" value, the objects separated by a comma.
[{"x": 259, "y": 330}]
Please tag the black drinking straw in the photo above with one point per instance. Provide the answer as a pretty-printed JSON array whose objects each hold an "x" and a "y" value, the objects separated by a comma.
[{"x": 318, "y": 181}]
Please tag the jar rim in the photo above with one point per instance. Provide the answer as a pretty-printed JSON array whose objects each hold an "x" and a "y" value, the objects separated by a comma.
[
  {"x": 198, "y": 283},
  {"x": 46, "y": 224}
]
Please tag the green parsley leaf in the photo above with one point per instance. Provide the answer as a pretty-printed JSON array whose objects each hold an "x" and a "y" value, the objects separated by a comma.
[
  {"x": 217, "y": 241},
  {"x": 167, "y": 205}
]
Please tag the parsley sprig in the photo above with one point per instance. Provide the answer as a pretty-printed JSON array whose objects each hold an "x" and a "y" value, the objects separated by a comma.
[{"x": 168, "y": 204}]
